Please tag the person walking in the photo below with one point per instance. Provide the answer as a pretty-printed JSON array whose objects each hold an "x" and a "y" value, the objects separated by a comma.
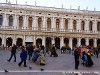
[
  {"x": 23, "y": 56},
  {"x": 76, "y": 56},
  {"x": 13, "y": 53}
]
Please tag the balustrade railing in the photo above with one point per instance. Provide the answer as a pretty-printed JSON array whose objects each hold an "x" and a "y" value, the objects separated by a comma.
[{"x": 49, "y": 30}]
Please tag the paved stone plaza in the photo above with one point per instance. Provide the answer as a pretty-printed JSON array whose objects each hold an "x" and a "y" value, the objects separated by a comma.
[{"x": 61, "y": 65}]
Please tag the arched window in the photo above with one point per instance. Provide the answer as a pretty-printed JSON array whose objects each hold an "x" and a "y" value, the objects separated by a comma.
[
  {"x": 30, "y": 22},
  {"x": 10, "y": 20},
  {"x": 74, "y": 24},
  {"x": 90, "y": 25},
  {"x": 57, "y": 23},
  {"x": 39, "y": 23},
  {"x": 20, "y": 21},
  {"x": 98, "y": 26},
  {"x": 48, "y": 23},
  {"x": 1, "y": 19},
  {"x": 66, "y": 24},
  {"x": 82, "y": 25}
]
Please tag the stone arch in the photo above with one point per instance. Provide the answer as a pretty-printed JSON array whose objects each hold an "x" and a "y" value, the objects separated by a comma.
[
  {"x": 82, "y": 25},
  {"x": 91, "y": 42},
  {"x": 39, "y": 23},
  {"x": 66, "y": 24},
  {"x": 10, "y": 20},
  {"x": 20, "y": 21},
  {"x": 30, "y": 19},
  {"x": 57, "y": 23},
  {"x": 90, "y": 25},
  {"x": 74, "y": 24},
  {"x": 48, "y": 23}
]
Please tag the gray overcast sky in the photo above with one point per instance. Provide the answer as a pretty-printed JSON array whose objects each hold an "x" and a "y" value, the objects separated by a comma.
[{"x": 90, "y": 4}]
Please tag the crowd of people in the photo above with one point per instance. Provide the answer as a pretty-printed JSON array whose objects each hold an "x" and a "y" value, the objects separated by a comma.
[{"x": 37, "y": 54}]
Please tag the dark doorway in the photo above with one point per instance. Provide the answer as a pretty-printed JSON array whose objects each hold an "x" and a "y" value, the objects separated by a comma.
[
  {"x": 82, "y": 41},
  {"x": 19, "y": 42},
  {"x": 57, "y": 42},
  {"x": 91, "y": 42},
  {"x": 66, "y": 42},
  {"x": 38, "y": 42},
  {"x": 0, "y": 41},
  {"x": 74, "y": 42},
  {"x": 98, "y": 43},
  {"x": 9, "y": 42}
]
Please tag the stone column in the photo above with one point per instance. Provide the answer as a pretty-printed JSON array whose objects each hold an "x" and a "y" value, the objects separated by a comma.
[
  {"x": 34, "y": 40},
  {"x": 87, "y": 25},
  {"x": 34, "y": 23},
  {"x": 95, "y": 25},
  {"x": 78, "y": 26},
  {"x": 25, "y": 23},
  {"x": 79, "y": 41},
  {"x": 61, "y": 42},
  {"x": 62, "y": 23},
  {"x": 53, "y": 25},
  {"x": 44, "y": 22},
  {"x": 15, "y": 23},
  {"x": 43, "y": 41},
  {"x": 70, "y": 42},
  {"x": 95, "y": 42},
  {"x": 5, "y": 21},
  {"x": 14, "y": 40},
  {"x": 70, "y": 24},
  {"x": 3, "y": 40},
  {"x": 24, "y": 40},
  {"x": 53, "y": 40},
  {"x": 87, "y": 41}
]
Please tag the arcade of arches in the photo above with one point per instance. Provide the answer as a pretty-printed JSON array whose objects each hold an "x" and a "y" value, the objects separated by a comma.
[{"x": 48, "y": 41}]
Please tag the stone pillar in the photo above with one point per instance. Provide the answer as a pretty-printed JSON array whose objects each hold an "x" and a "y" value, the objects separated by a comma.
[
  {"x": 79, "y": 41},
  {"x": 78, "y": 26},
  {"x": 34, "y": 24},
  {"x": 62, "y": 23},
  {"x": 87, "y": 25},
  {"x": 43, "y": 41},
  {"x": 25, "y": 23},
  {"x": 94, "y": 25},
  {"x": 53, "y": 40},
  {"x": 5, "y": 22},
  {"x": 95, "y": 42},
  {"x": 24, "y": 40},
  {"x": 34, "y": 40},
  {"x": 87, "y": 41},
  {"x": 3, "y": 40},
  {"x": 15, "y": 21},
  {"x": 53, "y": 25},
  {"x": 70, "y": 42},
  {"x": 61, "y": 42},
  {"x": 14, "y": 40},
  {"x": 44, "y": 22},
  {"x": 70, "y": 24}
]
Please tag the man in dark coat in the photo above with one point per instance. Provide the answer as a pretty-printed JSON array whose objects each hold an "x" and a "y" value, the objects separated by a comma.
[
  {"x": 23, "y": 56},
  {"x": 13, "y": 53},
  {"x": 76, "y": 56}
]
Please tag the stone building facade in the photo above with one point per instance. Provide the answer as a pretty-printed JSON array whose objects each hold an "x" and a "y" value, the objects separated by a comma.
[{"x": 25, "y": 24}]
